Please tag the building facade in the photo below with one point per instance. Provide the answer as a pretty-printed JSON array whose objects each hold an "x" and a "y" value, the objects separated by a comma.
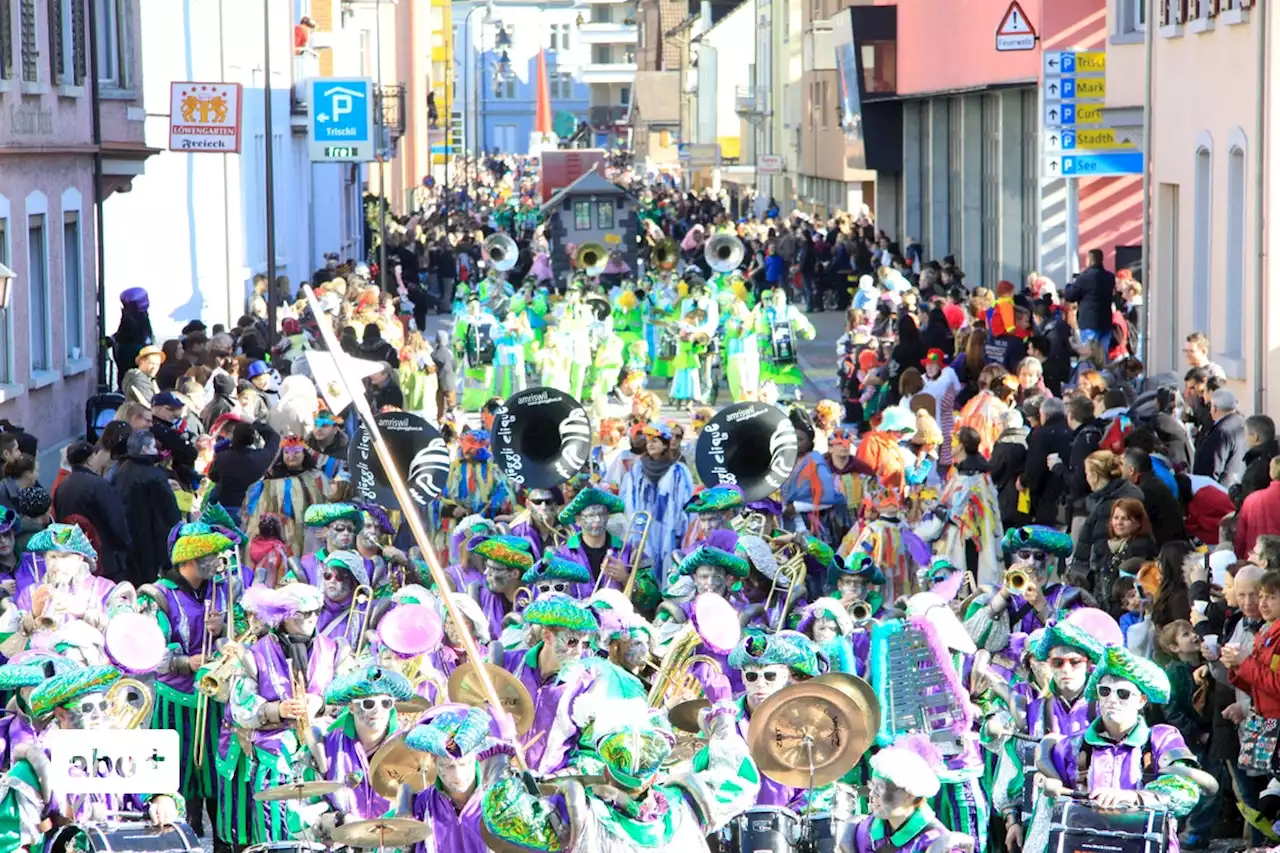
[{"x": 48, "y": 233}]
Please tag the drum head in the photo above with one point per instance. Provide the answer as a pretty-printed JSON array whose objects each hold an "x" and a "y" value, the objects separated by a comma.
[
  {"x": 411, "y": 629},
  {"x": 134, "y": 643},
  {"x": 716, "y": 622}
]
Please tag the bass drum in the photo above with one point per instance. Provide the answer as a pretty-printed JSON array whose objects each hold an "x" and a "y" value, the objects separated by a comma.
[
  {"x": 1078, "y": 827},
  {"x": 764, "y": 829},
  {"x": 134, "y": 835}
]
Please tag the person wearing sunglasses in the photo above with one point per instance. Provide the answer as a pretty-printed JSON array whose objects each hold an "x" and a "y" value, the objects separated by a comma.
[
  {"x": 505, "y": 560},
  {"x": 454, "y": 736},
  {"x": 767, "y": 663},
  {"x": 73, "y": 698},
  {"x": 554, "y": 574},
  {"x": 564, "y": 629},
  {"x": 992, "y": 617},
  {"x": 1119, "y": 760},
  {"x": 903, "y": 781},
  {"x": 336, "y": 525},
  {"x": 539, "y": 521},
  {"x": 342, "y": 573},
  {"x": 367, "y": 696}
]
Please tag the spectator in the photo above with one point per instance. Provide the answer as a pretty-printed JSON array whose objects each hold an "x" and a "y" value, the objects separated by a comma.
[
  {"x": 1008, "y": 460},
  {"x": 1220, "y": 451},
  {"x": 1196, "y": 353},
  {"x": 1094, "y": 291},
  {"x": 1266, "y": 552},
  {"x": 1196, "y": 413},
  {"x": 1050, "y": 439},
  {"x": 1260, "y": 513},
  {"x": 19, "y": 473},
  {"x": 34, "y": 511},
  {"x": 173, "y": 365},
  {"x": 85, "y": 493},
  {"x": 263, "y": 378},
  {"x": 1171, "y": 431},
  {"x": 241, "y": 465},
  {"x": 1173, "y": 597},
  {"x": 1086, "y": 435},
  {"x": 1091, "y": 555},
  {"x": 140, "y": 383},
  {"x": 1251, "y": 671},
  {"x": 223, "y": 402},
  {"x": 150, "y": 508},
  {"x": 1128, "y": 538},
  {"x": 174, "y": 441},
  {"x": 1260, "y": 438},
  {"x": 1162, "y": 507}
]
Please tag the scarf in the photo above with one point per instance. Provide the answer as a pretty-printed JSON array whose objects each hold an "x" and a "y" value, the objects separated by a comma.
[
  {"x": 297, "y": 650},
  {"x": 654, "y": 469}
]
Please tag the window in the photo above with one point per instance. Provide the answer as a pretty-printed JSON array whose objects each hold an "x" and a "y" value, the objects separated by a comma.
[
  {"x": 1236, "y": 243},
  {"x": 30, "y": 50},
  {"x": 1131, "y": 16},
  {"x": 38, "y": 293},
  {"x": 504, "y": 88},
  {"x": 561, "y": 83},
  {"x": 6, "y": 351},
  {"x": 624, "y": 95},
  {"x": 1167, "y": 241},
  {"x": 582, "y": 216},
  {"x": 1202, "y": 234},
  {"x": 559, "y": 37},
  {"x": 604, "y": 215},
  {"x": 53, "y": 26},
  {"x": 113, "y": 26},
  {"x": 6, "y": 41},
  {"x": 73, "y": 280}
]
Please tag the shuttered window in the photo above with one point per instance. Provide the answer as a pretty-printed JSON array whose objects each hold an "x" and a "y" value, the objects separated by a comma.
[
  {"x": 6, "y": 41},
  {"x": 990, "y": 188},
  {"x": 79, "y": 40},
  {"x": 955, "y": 179},
  {"x": 30, "y": 50},
  {"x": 53, "y": 23}
]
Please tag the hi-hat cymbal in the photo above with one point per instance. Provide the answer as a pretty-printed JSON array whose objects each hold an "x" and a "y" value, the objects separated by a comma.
[
  {"x": 464, "y": 687},
  {"x": 414, "y": 705},
  {"x": 805, "y": 723},
  {"x": 382, "y": 833},
  {"x": 395, "y": 763},
  {"x": 685, "y": 715},
  {"x": 860, "y": 691},
  {"x": 297, "y": 791}
]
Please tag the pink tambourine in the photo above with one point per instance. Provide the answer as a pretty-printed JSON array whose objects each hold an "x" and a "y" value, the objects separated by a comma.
[
  {"x": 716, "y": 622},
  {"x": 411, "y": 629},
  {"x": 134, "y": 643},
  {"x": 1097, "y": 624}
]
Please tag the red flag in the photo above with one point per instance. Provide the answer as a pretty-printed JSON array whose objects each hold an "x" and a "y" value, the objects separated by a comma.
[{"x": 542, "y": 117}]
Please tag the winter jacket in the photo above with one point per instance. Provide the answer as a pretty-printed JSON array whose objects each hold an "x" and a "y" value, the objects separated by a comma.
[
  {"x": 151, "y": 511},
  {"x": 1094, "y": 290},
  {"x": 1084, "y": 441},
  {"x": 1173, "y": 435},
  {"x": 138, "y": 387},
  {"x": 1220, "y": 451},
  {"x": 86, "y": 494},
  {"x": 1008, "y": 460},
  {"x": 234, "y": 470},
  {"x": 1257, "y": 471},
  {"x": 1046, "y": 486},
  {"x": 1168, "y": 519},
  {"x": 1259, "y": 514},
  {"x": 1092, "y": 553}
]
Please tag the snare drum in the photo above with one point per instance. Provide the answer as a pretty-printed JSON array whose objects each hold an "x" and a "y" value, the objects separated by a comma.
[
  {"x": 288, "y": 846},
  {"x": 764, "y": 829},
  {"x": 821, "y": 836},
  {"x": 124, "y": 836},
  {"x": 1078, "y": 827}
]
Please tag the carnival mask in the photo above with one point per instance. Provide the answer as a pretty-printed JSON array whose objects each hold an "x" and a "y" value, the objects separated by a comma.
[
  {"x": 293, "y": 457},
  {"x": 337, "y": 583},
  {"x": 372, "y": 713},
  {"x": 91, "y": 711},
  {"x": 207, "y": 567},
  {"x": 708, "y": 578},
  {"x": 6, "y": 545},
  {"x": 889, "y": 802},
  {"x": 851, "y": 588},
  {"x": 1069, "y": 669},
  {"x": 303, "y": 623},
  {"x": 1035, "y": 559},
  {"x": 764, "y": 681},
  {"x": 542, "y": 506},
  {"x": 566, "y": 646},
  {"x": 1120, "y": 703},
  {"x": 824, "y": 630},
  {"x": 499, "y": 578},
  {"x": 458, "y": 775},
  {"x": 340, "y": 535},
  {"x": 64, "y": 570},
  {"x": 593, "y": 520}
]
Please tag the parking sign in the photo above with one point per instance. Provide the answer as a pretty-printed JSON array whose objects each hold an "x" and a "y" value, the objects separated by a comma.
[{"x": 342, "y": 128}]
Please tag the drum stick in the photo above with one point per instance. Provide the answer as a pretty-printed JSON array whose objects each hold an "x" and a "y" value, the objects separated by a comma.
[{"x": 408, "y": 505}]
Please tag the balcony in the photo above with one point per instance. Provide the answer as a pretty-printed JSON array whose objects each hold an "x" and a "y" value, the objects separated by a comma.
[
  {"x": 306, "y": 67},
  {"x": 604, "y": 118},
  {"x": 608, "y": 33},
  {"x": 750, "y": 102},
  {"x": 608, "y": 72}
]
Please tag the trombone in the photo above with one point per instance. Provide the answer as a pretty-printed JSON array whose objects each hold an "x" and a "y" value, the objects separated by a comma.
[
  {"x": 361, "y": 612},
  {"x": 794, "y": 571},
  {"x": 202, "y": 699},
  {"x": 637, "y": 532}
]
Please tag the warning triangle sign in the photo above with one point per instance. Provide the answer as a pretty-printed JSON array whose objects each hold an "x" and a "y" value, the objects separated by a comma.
[{"x": 1015, "y": 22}]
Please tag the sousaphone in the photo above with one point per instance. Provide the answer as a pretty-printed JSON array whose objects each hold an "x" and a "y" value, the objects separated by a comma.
[
  {"x": 501, "y": 252},
  {"x": 591, "y": 258},
  {"x": 420, "y": 452},
  {"x": 541, "y": 437},
  {"x": 724, "y": 253},
  {"x": 749, "y": 445}
]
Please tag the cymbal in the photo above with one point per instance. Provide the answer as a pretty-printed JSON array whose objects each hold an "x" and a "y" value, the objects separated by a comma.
[
  {"x": 808, "y": 721},
  {"x": 385, "y": 832},
  {"x": 395, "y": 762},
  {"x": 684, "y": 716},
  {"x": 860, "y": 691},
  {"x": 464, "y": 687},
  {"x": 297, "y": 791},
  {"x": 415, "y": 705},
  {"x": 686, "y": 747}
]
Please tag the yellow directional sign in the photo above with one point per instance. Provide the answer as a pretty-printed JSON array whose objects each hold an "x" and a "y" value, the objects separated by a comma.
[
  {"x": 1088, "y": 114},
  {"x": 1091, "y": 62},
  {"x": 1106, "y": 139},
  {"x": 1091, "y": 87}
]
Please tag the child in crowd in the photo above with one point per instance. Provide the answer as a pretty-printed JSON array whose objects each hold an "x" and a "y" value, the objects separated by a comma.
[{"x": 1127, "y": 599}]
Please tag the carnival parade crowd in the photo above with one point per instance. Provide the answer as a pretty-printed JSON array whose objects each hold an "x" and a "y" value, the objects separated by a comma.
[{"x": 1007, "y": 592}]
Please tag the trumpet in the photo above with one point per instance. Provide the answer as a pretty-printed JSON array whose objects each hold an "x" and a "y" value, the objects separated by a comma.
[
  {"x": 127, "y": 715},
  {"x": 794, "y": 571},
  {"x": 750, "y": 524},
  {"x": 361, "y": 612},
  {"x": 860, "y": 610},
  {"x": 1017, "y": 580},
  {"x": 302, "y": 725},
  {"x": 202, "y": 700}
]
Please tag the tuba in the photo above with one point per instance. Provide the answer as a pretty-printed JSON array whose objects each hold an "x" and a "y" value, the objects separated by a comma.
[
  {"x": 791, "y": 577},
  {"x": 500, "y": 252},
  {"x": 724, "y": 253},
  {"x": 591, "y": 258},
  {"x": 665, "y": 254},
  {"x": 541, "y": 437},
  {"x": 749, "y": 445}
]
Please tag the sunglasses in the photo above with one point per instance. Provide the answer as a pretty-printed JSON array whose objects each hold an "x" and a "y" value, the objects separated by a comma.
[
  {"x": 307, "y": 614},
  {"x": 1124, "y": 694},
  {"x": 333, "y": 574},
  {"x": 753, "y": 677},
  {"x": 553, "y": 586},
  {"x": 1072, "y": 661},
  {"x": 540, "y": 501},
  {"x": 573, "y": 642},
  {"x": 90, "y": 707},
  {"x": 385, "y": 703}
]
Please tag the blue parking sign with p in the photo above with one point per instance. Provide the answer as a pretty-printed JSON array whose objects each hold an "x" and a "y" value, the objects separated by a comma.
[{"x": 342, "y": 120}]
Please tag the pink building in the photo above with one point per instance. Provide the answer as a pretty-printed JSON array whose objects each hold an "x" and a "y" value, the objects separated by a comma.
[{"x": 47, "y": 227}]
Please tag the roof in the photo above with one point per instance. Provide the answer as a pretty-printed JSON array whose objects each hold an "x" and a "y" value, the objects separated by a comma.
[
  {"x": 590, "y": 181},
  {"x": 657, "y": 97}
]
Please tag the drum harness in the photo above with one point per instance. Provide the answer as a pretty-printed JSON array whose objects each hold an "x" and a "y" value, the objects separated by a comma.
[{"x": 1083, "y": 759}]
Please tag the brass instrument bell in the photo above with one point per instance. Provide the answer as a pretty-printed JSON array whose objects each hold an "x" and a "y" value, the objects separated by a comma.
[
  {"x": 501, "y": 252},
  {"x": 860, "y": 611},
  {"x": 1017, "y": 580},
  {"x": 724, "y": 252},
  {"x": 665, "y": 255},
  {"x": 591, "y": 258}
]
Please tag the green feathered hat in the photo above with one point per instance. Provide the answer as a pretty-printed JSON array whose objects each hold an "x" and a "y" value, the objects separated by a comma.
[
  {"x": 32, "y": 672},
  {"x": 633, "y": 740},
  {"x": 785, "y": 648},
  {"x": 366, "y": 681},
  {"x": 216, "y": 515},
  {"x": 62, "y": 539},
  {"x": 322, "y": 515},
  {"x": 1119, "y": 662},
  {"x": 716, "y": 499},
  {"x": 516, "y": 821},
  {"x": 561, "y": 611},
  {"x": 350, "y": 562},
  {"x": 734, "y": 565},
  {"x": 198, "y": 540},
  {"x": 860, "y": 564},
  {"x": 1063, "y": 633},
  {"x": 555, "y": 568},
  {"x": 591, "y": 497},
  {"x": 450, "y": 731},
  {"x": 66, "y": 687},
  {"x": 1039, "y": 537},
  {"x": 512, "y": 551}
]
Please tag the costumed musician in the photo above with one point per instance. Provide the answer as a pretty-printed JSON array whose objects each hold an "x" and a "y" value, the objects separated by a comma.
[
  {"x": 348, "y": 608},
  {"x": 538, "y": 521},
  {"x": 608, "y": 557},
  {"x": 68, "y": 589},
  {"x": 337, "y": 525},
  {"x": 903, "y": 781},
  {"x": 506, "y": 559},
  {"x": 713, "y": 508},
  {"x": 408, "y": 641},
  {"x": 458, "y": 738},
  {"x": 473, "y": 486}
]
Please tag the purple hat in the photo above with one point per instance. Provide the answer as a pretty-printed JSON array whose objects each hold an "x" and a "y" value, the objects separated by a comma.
[{"x": 136, "y": 297}]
